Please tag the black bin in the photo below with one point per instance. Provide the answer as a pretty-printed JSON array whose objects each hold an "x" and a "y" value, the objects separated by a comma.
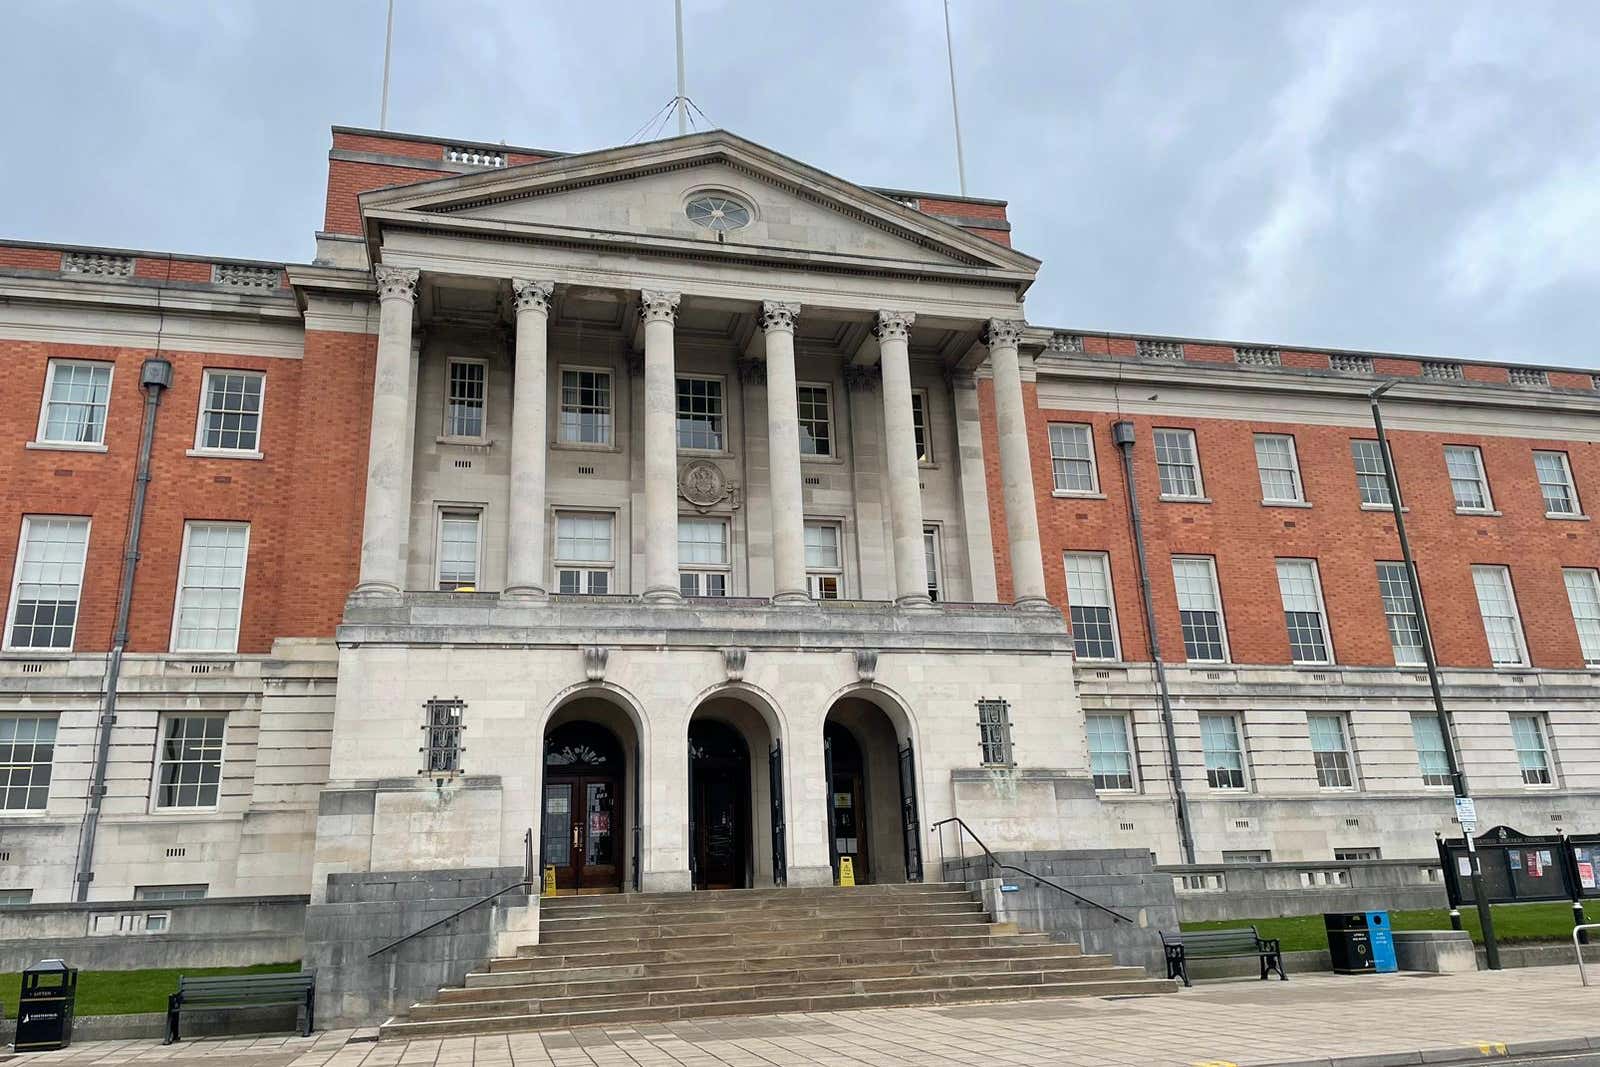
[
  {"x": 1349, "y": 942},
  {"x": 44, "y": 1011}
]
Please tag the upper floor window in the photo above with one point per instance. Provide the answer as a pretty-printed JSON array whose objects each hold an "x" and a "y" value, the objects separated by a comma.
[
  {"x": 1279, "y": 469},
  {"x": 1330, "y": 751},
  {"x": 1178, "y": 464},
  {"x": 816, "y": 420},
  {"x": 1110, "y": 752},
  {"x": 934, "y": 558},
  {"x": 76, "y": 396},
  {"x": 823, "y": 564},
  {"x": 1219, "y": 743},
  {"x": 1072, "y": 458},
  {"x": 189, "y": 771},
  {"x": 47, "y": 582},
  {"x": 460, "y": 545},
  {"x": 919, "y": 425},
  {"x": 700, "y": 414},
  {"x": 1583, "y": 594},
  {"x": 27, "y": 756},
  {"x": 1468, "y": 483},
  {"x": 1200, "y": 609},
  {"x": 1303, "y": 611},
  {"x": 585, "y": 417},
  {"x": 994, "y": 733},
  {"x": 1370, "y": 480},
  {"x": 1433, "y": 759},
  {"x": 584, "y": 554},
  {"x": 1400, "y": 611},
  {"x": 1554, "y": 471},
  {"x": 1094, "y": 625},
  {"x": 150, "y": 894},
  {"x": 703, "y": 557},
  {"x": 1533, "y": 754},
  {"x": 230, "y": 411},
  {"x": 466, "y": 391},
  {"x": 1497, "y": 603},
  {"x": 211, "y": 587}
]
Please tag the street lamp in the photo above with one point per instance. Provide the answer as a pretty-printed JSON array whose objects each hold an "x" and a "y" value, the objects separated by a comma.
[{"x": 1457, "y": 779}]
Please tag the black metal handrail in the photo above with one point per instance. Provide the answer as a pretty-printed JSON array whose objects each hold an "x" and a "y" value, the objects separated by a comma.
[
  {"x": 994, "y": 862},
  {"x": 526, "y": 882}
]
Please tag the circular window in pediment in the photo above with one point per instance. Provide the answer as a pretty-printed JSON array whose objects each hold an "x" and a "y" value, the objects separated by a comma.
[{"x": 718, "y": 212}]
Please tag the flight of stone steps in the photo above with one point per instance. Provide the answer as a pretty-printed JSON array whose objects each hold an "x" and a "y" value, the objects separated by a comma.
[{"x": 664, "y": 956}]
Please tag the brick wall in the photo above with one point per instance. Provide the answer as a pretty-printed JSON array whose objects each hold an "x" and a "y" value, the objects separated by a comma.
[
  {"x": 1245, "y": 537},
  {"x": 303, "y": 499}
]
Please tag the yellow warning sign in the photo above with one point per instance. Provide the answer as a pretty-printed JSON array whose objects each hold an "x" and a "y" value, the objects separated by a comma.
[
  {"x": 550, "y": 880},
  {"x": 1491, "y": 1048},
  {"x": 847, "y": 871}
]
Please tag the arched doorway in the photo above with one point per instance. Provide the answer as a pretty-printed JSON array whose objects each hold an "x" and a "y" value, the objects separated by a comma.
[
  {"x": 872, "y": 792},
  {"x": 590, "y": 797},
  {"x": 735, "y": 793}
]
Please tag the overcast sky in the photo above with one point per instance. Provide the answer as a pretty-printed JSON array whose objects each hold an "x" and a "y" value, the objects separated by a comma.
[{"x": 1420, "y": 177}]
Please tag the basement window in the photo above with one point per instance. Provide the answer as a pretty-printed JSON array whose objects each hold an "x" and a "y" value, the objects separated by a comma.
[
  {"x": 994, "y": 733},
  {"x": 442, "y": 728}
]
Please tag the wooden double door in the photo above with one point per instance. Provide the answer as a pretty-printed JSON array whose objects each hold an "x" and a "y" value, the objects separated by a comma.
[{"x": 581, "y": 825}]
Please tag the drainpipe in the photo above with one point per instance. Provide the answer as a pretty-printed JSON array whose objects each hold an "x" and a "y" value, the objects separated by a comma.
[
  {"x": 154, "y": 377},
  {"x": 1122, "y": 434}
]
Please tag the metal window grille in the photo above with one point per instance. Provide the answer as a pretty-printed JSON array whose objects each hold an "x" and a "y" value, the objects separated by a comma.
[
  {"x": 232, "y": 414},
  {"x": 441, "y": 730},
  {"x": 1440, "y": 371},
  {"x": 994, "y": 732},
  {"x": 1257, "y": 357},
  {"x": 1529, "y": 376},
  {"x": 1164, "y": 350},
  {"x": 1347, "y": 364}
]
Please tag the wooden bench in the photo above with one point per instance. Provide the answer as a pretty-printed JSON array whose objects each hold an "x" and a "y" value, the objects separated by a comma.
[
  {"x": 1234, "y": 943},
  {"x": 225, "y": 993}
]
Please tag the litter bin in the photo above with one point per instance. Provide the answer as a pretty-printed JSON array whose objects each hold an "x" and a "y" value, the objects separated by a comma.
[
  {"x": 44, "y": 1010},
  {"x": 1349, "y": 943}
]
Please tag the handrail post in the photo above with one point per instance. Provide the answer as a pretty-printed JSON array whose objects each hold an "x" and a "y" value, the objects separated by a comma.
[{"x": 1577, "y": 947}]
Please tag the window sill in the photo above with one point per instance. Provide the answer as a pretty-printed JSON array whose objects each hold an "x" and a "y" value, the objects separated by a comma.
[
  {"x": 63, "y": 446},
  {"x": 221, "y": 453},
  {"x": 1067, "y": 494},
  {"x": 1285, "y": 503},
  {"x": 471, "y": 442},
  {"x": 1164, "y": 498},
  {"x": 827, "y": 460},
  {"x": 1562, "y": 516},
  {"x": 14, "y": 652},
  {"x": 204, "y": 654},
  {"x": 1480, "y": 512},
  {"x": 583, "y": 446},
  {"x": 1318, "y": 664},
  {"x": 705, "y": 453},
  {"x": 164, "y": 813},
  {"x": 1385, "y": 507}
]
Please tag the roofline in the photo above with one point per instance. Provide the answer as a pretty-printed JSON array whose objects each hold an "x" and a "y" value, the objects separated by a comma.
[
  {"x": 955, "y": 198},
  {"x": 145, "y": 253},
  {"x": 494, "y": 146}
]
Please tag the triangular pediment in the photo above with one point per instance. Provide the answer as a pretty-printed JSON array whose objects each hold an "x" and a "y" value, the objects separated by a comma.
[{"x": 640, "y": 194}]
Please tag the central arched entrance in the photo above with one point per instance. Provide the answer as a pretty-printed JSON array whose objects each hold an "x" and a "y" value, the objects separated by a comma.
[
  {"x": 736, "y": 826},
  {"x": 589, "y": 808},
  {"x": 872, "y": 803}
]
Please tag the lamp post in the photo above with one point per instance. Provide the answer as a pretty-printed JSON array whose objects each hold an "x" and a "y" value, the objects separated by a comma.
[{"x": 1457, "y": 779}]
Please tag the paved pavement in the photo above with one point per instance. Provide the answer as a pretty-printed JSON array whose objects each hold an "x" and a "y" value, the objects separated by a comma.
[{"x": 1370, "y": 1021}]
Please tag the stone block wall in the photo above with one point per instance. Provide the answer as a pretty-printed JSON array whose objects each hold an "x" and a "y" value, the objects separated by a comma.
[{"x": 1207, "y": 892}]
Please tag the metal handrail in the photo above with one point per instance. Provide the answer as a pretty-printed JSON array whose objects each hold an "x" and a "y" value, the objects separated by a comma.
[
  {"x": 526, "y": 882},
  {"x": 1577, "y": 947},
  {"x": 994, "y": 861}
]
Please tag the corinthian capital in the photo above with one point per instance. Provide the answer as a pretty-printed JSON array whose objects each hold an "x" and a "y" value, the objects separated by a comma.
[
  {"x": 1004, "y": 333},
  {"x": 532, "y": 295},
  {"x": 778, "y": 316},
  {"x": 656, "y": 305},
  {"x": 895, "y": 325},
  {"x": 396, "y": 283}
]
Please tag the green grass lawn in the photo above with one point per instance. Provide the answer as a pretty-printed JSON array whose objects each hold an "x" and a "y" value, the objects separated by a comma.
[
  {"x": 1512, "y": 922},
  {"x": 128, "y": 992}
]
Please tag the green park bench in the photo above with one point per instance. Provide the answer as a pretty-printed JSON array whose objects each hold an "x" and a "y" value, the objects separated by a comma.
[
  {"x": 230, "y": 992},
  {"x": 1237, "y": 943}
]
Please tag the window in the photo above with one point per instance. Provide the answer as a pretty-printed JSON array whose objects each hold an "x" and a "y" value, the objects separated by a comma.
[
  {"x": 1245, "y": 857},
  {"x": 459, "y": 546},
  {"x": 1357, "y": 855},
  {"x": 1433, "y": 760},
  {"x": 919, "y": 425},
  {"x": 1094, "y": 626},
  {"x": 211, "y": 587},
  {"x": 1303, "y": 611},
  {"x": 823, "y": 564},
  {"x": 717, "y": 212},
  {"x": 1279, "y": 469},
  {"x": 190, "y": 768},
  {"x": 1177, "y": 463},
  {"x": 1532, "y": 753},
  {"x": 76, "y": 396},
  {"x": 1369, "y": 474},
  {"x": 27, "y": 753},
  {"x": 15, "y": 898},
  {"x": 585, "y": 417},
  {"x": 816, "y": 425},
  {"x": 702, "y": 557},
  {"x": 1468, "y": 483},
  {"x": 933, "y": 558},
  {"x": 1400, "y": 611},
  {"x": 1498, "y": 606},
  {"x": 583, "y": 555},
  {"x": 230, "y": 411},
  {"x": 47, "y": 582},
  {"x": 464, "y": 397},
  {"x": 1330, "y": 751},
  {"x": 1200, "y": 609},
  {"x": 154, "y": 893},
  {"x": 994, "y": 732},
  {"x": 1583, "y": 593},
  {"x": 441, "y": 729},
  {"x": 1110, "y": 754},
  {"x": 1072, "y": 458},
  {"x": 700, "y": 414},
  {"x": 1219, "y": 740},
  {"x": 1554, "y": 471}
]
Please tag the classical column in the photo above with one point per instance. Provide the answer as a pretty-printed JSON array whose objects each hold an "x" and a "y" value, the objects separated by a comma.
[
  {"x": 1016, "y": 469},
  {"x": 525, "y": 517},
  {"x": 388, "y": 500},
  {"x": 900, "y": 446},
  {"x": 783, "y": 440},
  {"x": 659, "y": 311}
]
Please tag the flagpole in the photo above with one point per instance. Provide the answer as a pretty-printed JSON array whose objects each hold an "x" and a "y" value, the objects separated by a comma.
[
  {"x": 955, "y": 108},
  {"x": 681, "y": 100},
  {"x": 388, "y": 40}
]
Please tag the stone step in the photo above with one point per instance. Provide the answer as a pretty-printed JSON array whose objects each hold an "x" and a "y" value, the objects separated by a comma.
[
  {"x": 722, "y": 936},
  {"x": 403, "y": 1030},
  {"x": 552, "y": 933},
  {"x": 643, "y": 914},
  {"x": 723, "y": 897},
  {"x": 581, "y": 954}
]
